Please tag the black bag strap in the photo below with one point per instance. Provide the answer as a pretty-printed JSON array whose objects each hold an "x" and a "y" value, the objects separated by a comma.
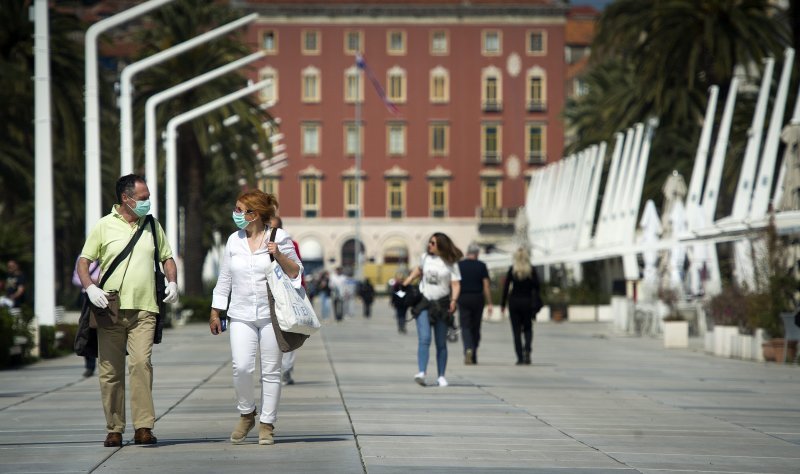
[
  {"x": 156, "y": 253},
  {"x": 272, "y": 239},
  {"x": 122, "y": 255}
]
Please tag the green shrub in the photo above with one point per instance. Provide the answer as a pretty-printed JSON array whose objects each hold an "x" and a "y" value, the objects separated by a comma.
[{"x": 11, "y": 327}]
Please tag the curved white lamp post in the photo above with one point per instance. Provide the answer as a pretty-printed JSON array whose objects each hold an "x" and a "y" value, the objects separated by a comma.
[
  {"x": 172, "y": 154},
  {"x": 126, "y": 105},
  {"x": 92, "y": 118},
  {"x": 151, "y": 139}
]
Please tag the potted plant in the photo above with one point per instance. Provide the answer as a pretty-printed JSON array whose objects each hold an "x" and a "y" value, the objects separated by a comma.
[
  {"x": 556, "y": 299},
  {"x": 728, "y": 317},
  {"x": 775, "y": 286},
  {"x": 676, "y": 327}
]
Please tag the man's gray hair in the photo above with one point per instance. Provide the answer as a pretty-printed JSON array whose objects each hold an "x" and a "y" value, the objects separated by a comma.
[{"x": 473, "y": 249}]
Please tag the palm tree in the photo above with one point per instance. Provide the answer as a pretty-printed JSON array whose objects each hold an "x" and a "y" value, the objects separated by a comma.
[
  {"x": 212, "y": 158},
  {"x": 657, "y": 58},
  {"x": 17, "y": 133}
]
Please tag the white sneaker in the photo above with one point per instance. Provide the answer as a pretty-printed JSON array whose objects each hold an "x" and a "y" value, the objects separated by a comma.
[
  {"x": 420, "y": 378},
  {"x": 441, "y": 381}
]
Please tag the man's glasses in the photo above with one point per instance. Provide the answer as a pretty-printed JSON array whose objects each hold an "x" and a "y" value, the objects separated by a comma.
[{"x": 236, "y": 210}]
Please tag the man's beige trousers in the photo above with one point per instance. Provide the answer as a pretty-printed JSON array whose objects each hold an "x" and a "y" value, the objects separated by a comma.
[{"x": 133, "y": 333}]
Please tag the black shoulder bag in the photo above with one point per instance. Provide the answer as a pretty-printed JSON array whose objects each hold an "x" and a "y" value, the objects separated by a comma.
[
  {"x": 86, "y": 338},
  {"x": 161, "y": 287}
]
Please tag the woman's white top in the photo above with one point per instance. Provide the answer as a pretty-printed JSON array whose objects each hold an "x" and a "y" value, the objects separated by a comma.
[
  {"x": 436, "y": 276},
  {"x": 243, "y": 276}
]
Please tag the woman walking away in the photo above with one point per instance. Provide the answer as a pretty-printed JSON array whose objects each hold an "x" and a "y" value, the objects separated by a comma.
[
  {"x": 524, "y": 302},
  {"x": 440, "y": 286},
  {"x": 243, "y": 279}
]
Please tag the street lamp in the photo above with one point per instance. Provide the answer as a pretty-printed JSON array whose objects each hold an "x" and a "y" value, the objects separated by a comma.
[
  {"x": 172, "y": 154},
  {"x": 126, "y": 105},
  {"x": 151, "y": 139},
  {"x": 92, "y": 118}
]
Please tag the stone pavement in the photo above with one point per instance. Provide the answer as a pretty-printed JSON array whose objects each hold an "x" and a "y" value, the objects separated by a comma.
[{"x": 592, "y": 402}]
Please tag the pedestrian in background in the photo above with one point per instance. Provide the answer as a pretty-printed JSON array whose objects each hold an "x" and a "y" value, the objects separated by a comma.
[
  {"x": 440, "y": 286},
  {"x": 524, "y": 301},
  {"x": 367, "y": 294},
  {"x": 398, "y": 302},
  {"x": 243, "y": 280},
  {"x": 324, "y": 292},
  {"x": 13, "y": 285},
  {"x": 338, "y": 285},
  {"x": 137, "y": 327},
  {"x": 475, "y": 294}
]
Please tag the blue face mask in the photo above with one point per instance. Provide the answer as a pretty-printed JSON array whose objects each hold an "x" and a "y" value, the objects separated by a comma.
[
  {"x": 142, "y": 207},
  {"x": 239, "y": 220}
]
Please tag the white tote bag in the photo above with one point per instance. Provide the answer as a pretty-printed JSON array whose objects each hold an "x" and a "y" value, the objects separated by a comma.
[{"x": 293, "y": 309}]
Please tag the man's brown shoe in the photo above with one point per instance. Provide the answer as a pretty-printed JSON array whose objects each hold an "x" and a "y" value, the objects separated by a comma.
[
  {"x": 113, "y": 440},
  {"x": 144, "y": 436}
]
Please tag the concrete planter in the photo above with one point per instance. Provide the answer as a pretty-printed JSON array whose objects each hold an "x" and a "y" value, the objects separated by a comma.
[
  {"x": 676, "y": 334},
  {"x": 724, "y": 340},
  {"x": 582, "y": 313}
]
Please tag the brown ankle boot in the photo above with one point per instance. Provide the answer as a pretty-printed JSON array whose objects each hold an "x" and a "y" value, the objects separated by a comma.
[
  {"x": 246, "y": 423},
  {"x": 265, "y": 433}
]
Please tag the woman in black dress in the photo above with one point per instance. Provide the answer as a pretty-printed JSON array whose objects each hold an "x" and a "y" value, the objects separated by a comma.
[{"x": 523, "y": 301}]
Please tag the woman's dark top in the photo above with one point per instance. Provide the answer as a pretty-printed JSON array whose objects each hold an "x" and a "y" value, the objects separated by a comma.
[{"x": 522, "y": 289}]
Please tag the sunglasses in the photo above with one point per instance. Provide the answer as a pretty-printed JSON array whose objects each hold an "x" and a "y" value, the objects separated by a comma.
[
  {"x": 432, "y": 242},
  {"x": 236, "y": 210}
]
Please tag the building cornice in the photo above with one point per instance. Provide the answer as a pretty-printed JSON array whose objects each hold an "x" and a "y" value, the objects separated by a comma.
[{"x": 395, "y": 10}]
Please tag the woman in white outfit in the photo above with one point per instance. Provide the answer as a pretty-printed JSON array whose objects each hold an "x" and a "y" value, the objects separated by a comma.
[{"x": 242, "y": 277}]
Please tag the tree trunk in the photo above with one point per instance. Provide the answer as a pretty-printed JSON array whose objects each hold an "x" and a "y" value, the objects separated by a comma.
[{"x": 192, "y": 167}]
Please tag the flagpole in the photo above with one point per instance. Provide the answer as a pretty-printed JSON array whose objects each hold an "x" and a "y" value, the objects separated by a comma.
[{"x": 357, "y": 264}]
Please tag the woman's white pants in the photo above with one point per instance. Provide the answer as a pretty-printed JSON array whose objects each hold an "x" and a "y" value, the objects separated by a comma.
[{"x": 250, "y": 339}]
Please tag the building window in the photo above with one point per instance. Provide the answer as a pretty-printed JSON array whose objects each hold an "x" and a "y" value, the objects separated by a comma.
[
  {"x": 352, "y": 139},
  {"x": 270, "y": 92},
  {"x": 439, "y": 43},
  {"x": 396, "y": 138},
  {"x": 491, "y": 134},
  {"x": 311, "y": 138},
  {"x": 311, "y": 42},
  {"x": 311, "y": 85},
  {"x": 352, "y": 197},
  {"x": 309, "y": 196},
  {"x": 396, "y": 42},
  {"x": 353, "y": 85},
  {"x": 396, "y": 79},
  {"x": 439, "y": 86},
  {"x": 269, "y": 41},
  {"x": 269, "y": 184},
  {"x": 537, "y": 43},
  {"x": 492, "y": 43},
  {"x": 353, "y": 41},
  {"x": 396, "y": 198},
  {"x": 535, "y": 93},
  {"x": 535, "y": 143},
  {"x": 492, "y": 89},
  {"x": 491, "y": 193},
  {"x": 438, "y": 197},
  {"x": 439, "y": 139}
]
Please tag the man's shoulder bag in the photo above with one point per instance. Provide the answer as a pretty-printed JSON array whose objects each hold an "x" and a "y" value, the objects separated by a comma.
[{"x": 161, "y": 286}]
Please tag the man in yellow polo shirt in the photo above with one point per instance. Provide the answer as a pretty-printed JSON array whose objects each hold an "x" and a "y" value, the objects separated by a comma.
[{"x": 135, "y": 329}]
